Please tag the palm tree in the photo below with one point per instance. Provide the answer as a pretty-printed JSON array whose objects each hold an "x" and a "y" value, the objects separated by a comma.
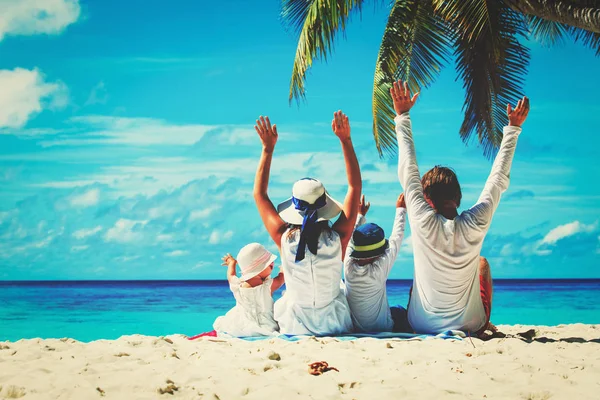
[{"x": 482, "y": 36}]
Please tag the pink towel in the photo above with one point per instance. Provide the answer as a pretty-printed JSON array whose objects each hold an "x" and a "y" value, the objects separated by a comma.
[{"x": 209, "y": 334}]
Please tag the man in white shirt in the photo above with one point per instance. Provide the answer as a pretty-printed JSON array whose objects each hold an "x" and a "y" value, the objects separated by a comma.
[
  {"x": 366, "y": 270},
  {"x": 452, "y": 286}
]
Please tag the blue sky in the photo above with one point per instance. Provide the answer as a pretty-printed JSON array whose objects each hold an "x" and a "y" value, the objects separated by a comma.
[{"x": 127, "y": 149}]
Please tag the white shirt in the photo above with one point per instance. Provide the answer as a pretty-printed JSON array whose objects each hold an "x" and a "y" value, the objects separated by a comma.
[
  {"x": 446, "y": 292},
  {"x": 365, "y": 285},
  {"x": 253, "y": 311},
  {"x": 313, "y": 303}
]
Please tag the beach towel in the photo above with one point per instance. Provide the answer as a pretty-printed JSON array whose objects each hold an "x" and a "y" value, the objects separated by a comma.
[{"x": 451, "y": 334}]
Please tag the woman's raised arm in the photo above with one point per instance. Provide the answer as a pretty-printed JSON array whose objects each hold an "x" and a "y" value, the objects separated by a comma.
[
  {"x": 344, "y": 226},
  {"x": 273, "y": 222}
]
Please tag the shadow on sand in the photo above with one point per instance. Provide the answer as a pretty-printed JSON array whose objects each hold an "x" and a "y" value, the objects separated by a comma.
[{"x": 530, "y": 337}]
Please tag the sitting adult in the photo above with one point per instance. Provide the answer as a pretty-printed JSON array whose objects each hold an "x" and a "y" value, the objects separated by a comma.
[
  {"x": 452, "y": 286},
  {"x": 311, "y": 249}
]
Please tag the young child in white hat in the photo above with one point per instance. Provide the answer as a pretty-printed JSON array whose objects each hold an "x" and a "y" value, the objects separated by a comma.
[{"x": 252, "y": 314}]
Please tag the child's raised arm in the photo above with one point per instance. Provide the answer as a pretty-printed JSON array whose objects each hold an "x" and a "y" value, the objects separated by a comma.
[{"x": 230, "y": 262}]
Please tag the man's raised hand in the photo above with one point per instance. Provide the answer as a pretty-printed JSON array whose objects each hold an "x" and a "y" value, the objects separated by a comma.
[
  {"x": 517, "y": 116},
  {"x": 403, "y": 101},
  {"x": 340, "y": 125},
  {"x": 268, "y": 134}
]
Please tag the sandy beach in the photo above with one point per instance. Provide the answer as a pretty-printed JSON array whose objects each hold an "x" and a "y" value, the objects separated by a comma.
[{"x": 558, "y": 363}]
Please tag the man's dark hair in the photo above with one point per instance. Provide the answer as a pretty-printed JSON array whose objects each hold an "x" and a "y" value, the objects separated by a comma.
[{"x": 440, "y": 185}]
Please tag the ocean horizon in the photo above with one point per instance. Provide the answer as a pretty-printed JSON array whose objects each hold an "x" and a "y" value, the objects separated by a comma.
[{"x": 89, "y": 310}]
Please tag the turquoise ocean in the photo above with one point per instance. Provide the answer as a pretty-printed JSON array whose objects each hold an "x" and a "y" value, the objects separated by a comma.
[{"x": 91, "y": 310}]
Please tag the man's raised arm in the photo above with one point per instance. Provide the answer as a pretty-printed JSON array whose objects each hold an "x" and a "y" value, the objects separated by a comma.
[
  {"x": 497, "y": 182},
  {"x": 408, "y": 171}
]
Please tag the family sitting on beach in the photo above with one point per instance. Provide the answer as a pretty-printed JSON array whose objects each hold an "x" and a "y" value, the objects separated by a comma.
[{"x": 452, "y": 287}]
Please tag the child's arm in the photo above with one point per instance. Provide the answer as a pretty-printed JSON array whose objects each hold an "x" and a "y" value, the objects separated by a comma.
[
  {"x": 278, "y": 282},
  {"x": 397, "y": 235},
  {"x": 230, "y": 262}
]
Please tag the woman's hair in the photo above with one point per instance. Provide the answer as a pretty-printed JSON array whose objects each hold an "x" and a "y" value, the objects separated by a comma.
[{"x": 295, "y": 229}]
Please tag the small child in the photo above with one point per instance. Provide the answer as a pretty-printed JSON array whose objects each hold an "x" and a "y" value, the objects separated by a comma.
[
  {"x": 253, "y": 311},
  {"x": 366, "y": 271}
]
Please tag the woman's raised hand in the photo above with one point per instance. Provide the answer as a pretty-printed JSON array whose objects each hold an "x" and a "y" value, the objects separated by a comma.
[
  {"x": 268, "y": 134},
  {"x": 340, "y": 125}
]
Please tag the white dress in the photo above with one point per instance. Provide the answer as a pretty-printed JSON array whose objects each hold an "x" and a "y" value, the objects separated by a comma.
[
  {"x": 313, "y": 303},
  {"x": 253, "y": 311}
]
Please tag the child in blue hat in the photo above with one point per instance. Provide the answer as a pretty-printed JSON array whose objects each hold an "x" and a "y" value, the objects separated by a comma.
[{"x": 367, "y": 267}]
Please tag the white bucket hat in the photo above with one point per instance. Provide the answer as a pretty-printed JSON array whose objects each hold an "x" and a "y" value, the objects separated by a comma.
[
  {"x": 254, "y": 259},
  {"x": 308, "y": 190}
]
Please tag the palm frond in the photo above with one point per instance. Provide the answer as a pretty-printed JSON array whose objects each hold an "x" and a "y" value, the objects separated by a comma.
[
  {"x": 589, "y": 39},
  {"x": 548, "y": 33},
  {"x": 582, "y": 14},
  {"x": 414, "y": 48},
  {"x": 490, "y": 61},
  {"x": 317, "y": 22}
]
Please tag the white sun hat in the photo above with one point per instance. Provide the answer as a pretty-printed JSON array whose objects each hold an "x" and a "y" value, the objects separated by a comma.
[
  {"x": 254, "y": 259},
  {"x": 308, "y": 190}
]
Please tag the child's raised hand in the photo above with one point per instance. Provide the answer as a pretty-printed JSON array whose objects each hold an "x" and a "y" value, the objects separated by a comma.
[
  {"x": 400, "y": 203},
  {"x": 363, "y": 206},
  {"x": 228, "y": 259}
]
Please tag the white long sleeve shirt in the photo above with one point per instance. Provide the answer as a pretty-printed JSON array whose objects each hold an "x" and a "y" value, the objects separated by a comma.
[
  {"x": 446, "y": 293},
  {"x": 365, "y": 285}
]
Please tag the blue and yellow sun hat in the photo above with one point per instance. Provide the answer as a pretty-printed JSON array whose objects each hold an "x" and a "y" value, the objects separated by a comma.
[{"x": 369, "y": 241}]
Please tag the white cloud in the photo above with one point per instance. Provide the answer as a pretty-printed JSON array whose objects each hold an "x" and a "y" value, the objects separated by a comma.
[
  {"x": 98, "y": 95},
  {"x": 217, "y": 237},
  {"x": 84, "y": 233},
  {"x": 177, "y": 253},
  {"x": 131, "y": 131},
  {"x": 570, "y": 229},
  {"x": 407, "y": 246},
  {"x": 25, "y": 93},
  {"x": 30, "y": 17},
  {"x": 202, "y": 214},
  {"x": 75, "y": 249},
  {"x": 86, "y": 199},
  {"x": 125, "y": 231}
]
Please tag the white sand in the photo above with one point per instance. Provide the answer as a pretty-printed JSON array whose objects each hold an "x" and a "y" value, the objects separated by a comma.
[{"x": 136, "y": 367}]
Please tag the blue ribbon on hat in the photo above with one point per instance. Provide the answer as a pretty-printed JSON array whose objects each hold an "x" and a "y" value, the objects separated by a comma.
[{"x": 309, "y": 234}]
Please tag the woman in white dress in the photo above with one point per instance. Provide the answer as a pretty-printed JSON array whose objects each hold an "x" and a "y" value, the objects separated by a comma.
[
  {"x": 253, "y": 311},
  {"x": 311, "y": 249}
]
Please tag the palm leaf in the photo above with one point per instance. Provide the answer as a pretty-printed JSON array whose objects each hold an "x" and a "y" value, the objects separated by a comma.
[
  {"x": 414, "y": 48},
  {"x": 589, "y": 39},
  {"x": 548, "y": 33},
  {"x": 581, "y": 14},
  {"x": 317, "y": 22},
  {"x": 490, "y": 61}
]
